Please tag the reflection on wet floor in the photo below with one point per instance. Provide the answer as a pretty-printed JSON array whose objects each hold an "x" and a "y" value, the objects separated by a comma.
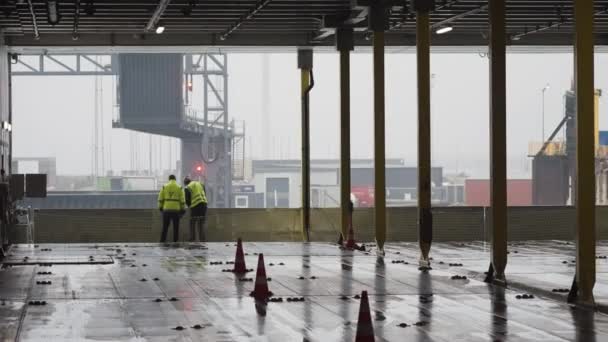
[{"x": 124, "y": 292}]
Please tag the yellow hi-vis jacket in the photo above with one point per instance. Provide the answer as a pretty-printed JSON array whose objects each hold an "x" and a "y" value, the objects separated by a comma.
[
  {"x": 197, "y": 194},
  {"x": 171, "y": 197}
]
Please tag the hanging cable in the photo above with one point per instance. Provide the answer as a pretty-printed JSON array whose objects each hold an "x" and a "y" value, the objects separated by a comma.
[
  {"x": 75, "y": 34},
  {"x": 34, "y": 20}
]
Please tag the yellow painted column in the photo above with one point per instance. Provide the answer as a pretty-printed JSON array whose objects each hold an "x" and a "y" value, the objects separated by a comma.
[
  {"x": 585, "y": 151},
  {"x": 305, "y": 65},
  {"x": 596, "y": 118},
  {"x": 498, "y": 139},
  {"x": 423, "y": 56},
  {"x": 379, "y": 141}
]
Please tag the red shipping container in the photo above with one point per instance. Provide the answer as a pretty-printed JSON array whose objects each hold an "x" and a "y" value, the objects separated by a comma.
[
  {"x": 364, "y": 196},
  {"x": 477, "y": 192}
]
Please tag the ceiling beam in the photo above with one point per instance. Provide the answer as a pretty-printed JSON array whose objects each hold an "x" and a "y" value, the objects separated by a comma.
[
  {"x": 158, "y": 13},
  {"x": 410, "y": 16},
  {"x": 558, "y": 22},
  {"x": 459, "y": 16},
  {"x": 261, "y": 4}
]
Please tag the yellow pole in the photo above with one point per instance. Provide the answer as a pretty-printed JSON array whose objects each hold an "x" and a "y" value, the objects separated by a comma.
[
  {"x": 585, "y": 151},
  {"x": 498, "y": 139},
  {"x": 596, "y": 113},
  {"x": 425, "y": 218},
  {"x": 305, "y": 65},
  {"x": 305, "y": 78}
]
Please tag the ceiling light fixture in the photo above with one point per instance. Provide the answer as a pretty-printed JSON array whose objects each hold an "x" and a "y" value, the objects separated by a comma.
[{"x": 444, "y": 29}]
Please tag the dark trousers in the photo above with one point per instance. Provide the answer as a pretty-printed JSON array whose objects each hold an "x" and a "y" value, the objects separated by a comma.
[
  {"x": 197, "y": 219},
  {"x": 168, "y": 217}
]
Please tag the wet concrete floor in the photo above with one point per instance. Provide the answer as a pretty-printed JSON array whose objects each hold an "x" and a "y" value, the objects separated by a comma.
[{"x": 149, "y": 292}]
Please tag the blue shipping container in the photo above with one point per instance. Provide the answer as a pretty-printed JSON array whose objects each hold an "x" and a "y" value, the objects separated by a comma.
[{"x": 603, "y": 138}]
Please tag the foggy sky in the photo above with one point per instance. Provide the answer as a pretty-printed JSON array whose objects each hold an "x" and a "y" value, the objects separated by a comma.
[{"x": 53, "y": 116}]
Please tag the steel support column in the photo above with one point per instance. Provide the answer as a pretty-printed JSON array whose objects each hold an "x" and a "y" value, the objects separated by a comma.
[
  {"x": 425, "y": 218},
  {"x": 378, "y": 24},
  {"x": 9, "y": 166},
  {"x": 344, "y": 44},
  {"x": 379, "y": 149},
  {"x": 585, "y": 152},
  {"x": 305, "y": 65},
  {"x": 498, "y": 141}
]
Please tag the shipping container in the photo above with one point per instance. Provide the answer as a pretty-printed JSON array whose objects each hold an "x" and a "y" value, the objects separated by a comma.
[
  {"x": 603, "y": 138},
  {"x": 477, "y": 192}
]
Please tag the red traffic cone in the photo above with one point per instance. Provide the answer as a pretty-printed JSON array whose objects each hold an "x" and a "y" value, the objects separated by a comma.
[
  {"x": 239, "y": 259},
  {"x": 260, "y": 291},
  {"x": 365, "y": 329}
]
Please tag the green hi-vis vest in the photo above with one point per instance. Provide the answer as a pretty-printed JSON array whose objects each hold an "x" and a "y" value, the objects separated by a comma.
[
  {"x": 197, "y": 194},
  {"x": 171, "y": 197}
]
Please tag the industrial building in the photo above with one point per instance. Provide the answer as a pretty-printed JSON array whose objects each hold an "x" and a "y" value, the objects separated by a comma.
[{"x": 299, "y": 249}]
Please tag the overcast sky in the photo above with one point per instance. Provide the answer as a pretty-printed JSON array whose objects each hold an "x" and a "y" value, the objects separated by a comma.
[{"x": 53, "y": 116}]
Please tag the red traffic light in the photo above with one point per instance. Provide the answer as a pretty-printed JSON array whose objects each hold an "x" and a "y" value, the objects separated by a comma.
[{"x": 198, "y": 169}]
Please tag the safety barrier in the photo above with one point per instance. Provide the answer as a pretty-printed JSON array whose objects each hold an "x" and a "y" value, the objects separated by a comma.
[{"x": 450, "y": 224}]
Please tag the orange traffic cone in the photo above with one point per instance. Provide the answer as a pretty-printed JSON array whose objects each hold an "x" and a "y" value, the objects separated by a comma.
[
  {"x": 260, "y": 291},
  {"x": 239, "y": 259},
  {"x": 365, "y": 329}
]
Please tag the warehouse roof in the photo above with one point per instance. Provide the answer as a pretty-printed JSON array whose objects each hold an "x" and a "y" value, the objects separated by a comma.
[{"x": 274, "y": 22}]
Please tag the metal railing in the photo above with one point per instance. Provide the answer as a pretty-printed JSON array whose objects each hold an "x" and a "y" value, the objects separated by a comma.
[{"x": 197, "y": 116}]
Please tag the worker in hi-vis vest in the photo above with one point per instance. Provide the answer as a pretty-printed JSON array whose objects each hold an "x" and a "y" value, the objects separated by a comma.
[
  {"x": 196, "y": 199},
  {"x": 172, "y": 204}
]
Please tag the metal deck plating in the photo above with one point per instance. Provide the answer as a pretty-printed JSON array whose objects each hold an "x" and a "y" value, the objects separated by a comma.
[{"x": 130, "y": 298}]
